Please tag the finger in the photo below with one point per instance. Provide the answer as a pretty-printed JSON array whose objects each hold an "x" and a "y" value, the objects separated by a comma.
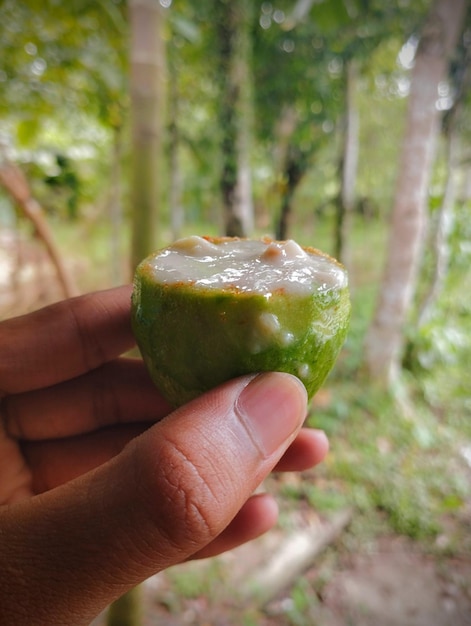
[
  {"x": 54, "y": 462},
  {"x": 260, "y": 512},
  {"x": 116, "y": 393},
  {"x": 255, "y": 518},
  {"x": 308, "y": 449},
  {"x": 165, "y": 497},
  {"x": 64, "y": 340}
]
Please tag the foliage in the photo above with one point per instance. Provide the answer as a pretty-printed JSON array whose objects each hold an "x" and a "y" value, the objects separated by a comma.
[
  {"x": 407, "y": 467},
  {"x": 302, "y": 605},
  {"x": 384, "y": 464},
  {"x": 64, "y": 67},
  {"x": 54, "y": 61},
  {"x": 442, "y": 347},
  {"x": 62, "y": 89}
]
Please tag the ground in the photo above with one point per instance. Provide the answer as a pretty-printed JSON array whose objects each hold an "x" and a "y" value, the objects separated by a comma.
[
  {"x": 397, "y": 585},
  {"x": 385, "y": 581}
]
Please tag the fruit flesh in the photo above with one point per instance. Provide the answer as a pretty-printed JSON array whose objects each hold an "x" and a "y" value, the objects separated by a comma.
[
  {"x": 207, "y": 310},
  {"x": 260, "y": 266}
]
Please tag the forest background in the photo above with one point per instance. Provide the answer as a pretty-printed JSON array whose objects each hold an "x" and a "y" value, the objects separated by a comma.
[{"x": 344, "y": 124}]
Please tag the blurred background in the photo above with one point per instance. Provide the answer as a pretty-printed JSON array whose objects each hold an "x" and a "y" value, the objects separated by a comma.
[{"x": 343, "y": 124}]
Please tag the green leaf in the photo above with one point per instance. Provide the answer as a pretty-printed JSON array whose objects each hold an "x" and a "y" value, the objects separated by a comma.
[
  {"x": 330, "y": 15},
  {"x": 452, "y": 503},
  {"x": 185, "y": 28},
  {"x": 27, "y": 131}
]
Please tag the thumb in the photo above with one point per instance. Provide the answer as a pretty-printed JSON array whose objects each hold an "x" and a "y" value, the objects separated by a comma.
[{"x": 166, "y": 496}]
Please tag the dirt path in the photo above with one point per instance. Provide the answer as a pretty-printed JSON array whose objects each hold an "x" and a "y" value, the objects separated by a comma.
[
  {"x": 397, "y": 585},
  {"x": 391, "y": 582}
]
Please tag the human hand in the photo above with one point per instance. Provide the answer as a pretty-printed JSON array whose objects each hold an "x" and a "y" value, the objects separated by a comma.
[{"x": 101, "y": 484}]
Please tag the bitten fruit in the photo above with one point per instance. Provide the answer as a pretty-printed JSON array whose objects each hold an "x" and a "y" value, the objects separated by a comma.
[{"x": 205, "y": 310}]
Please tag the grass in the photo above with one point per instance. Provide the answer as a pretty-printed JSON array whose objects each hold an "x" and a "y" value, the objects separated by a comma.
[
  {"x": 382, "y": 462},
  {"x": 407, "y": 467}
]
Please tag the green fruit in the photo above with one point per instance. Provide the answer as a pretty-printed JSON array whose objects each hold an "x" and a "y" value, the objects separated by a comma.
[{"x": 200, "y": 322}]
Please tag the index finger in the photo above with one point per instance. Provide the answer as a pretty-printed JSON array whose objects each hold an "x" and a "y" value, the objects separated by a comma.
[{"x": 64, "y": 340}]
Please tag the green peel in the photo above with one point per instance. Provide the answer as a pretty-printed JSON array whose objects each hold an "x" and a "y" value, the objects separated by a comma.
[{"x": 194, "y": 339}]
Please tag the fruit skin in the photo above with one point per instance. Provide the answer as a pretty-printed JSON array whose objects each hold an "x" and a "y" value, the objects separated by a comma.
[{"x": 194, "y": 339}]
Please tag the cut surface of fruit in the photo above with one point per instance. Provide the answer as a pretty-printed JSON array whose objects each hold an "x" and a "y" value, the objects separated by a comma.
[{"x": 205, "y": 310}]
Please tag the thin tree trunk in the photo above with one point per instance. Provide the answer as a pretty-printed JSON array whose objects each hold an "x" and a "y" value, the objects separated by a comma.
[
  {"x": 348, "y": 168},
  {"x": 175, "y": 175},
  {"x": 285, "y": 127},
  {"x": 14, "y": 181},
  {"x": 116, "y": 209},
  {"x": 284, "y": 223},
  {"x": 384, "y": 341},
  {"x": 147, "y": 80},
  {"x": 295, "y": 168},
  {"x": 147, "y": 84},
  {"x": 299, "y": 12},
  {"x": 127, "y": 610},
  {"x": 445, "y": 217},
  {"x": 443, "y": 229},
  {"x": 233, "y": 21},
  {"x": 242, "y": 74}
]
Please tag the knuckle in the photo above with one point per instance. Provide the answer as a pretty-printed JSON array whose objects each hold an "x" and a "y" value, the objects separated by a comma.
[
  {"x": 92, "y": 350},
  {"x": 190, "y": 509}
]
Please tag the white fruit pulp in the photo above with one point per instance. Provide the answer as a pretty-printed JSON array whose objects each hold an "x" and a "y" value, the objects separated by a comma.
[{"x": 259, "y": 266}]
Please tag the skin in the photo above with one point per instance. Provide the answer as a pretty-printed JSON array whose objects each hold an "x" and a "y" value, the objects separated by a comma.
[{"x": 101, "y": 484}]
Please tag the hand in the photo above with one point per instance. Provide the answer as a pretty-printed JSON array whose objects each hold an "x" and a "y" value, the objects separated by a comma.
[{"x": 101, "y": 485}]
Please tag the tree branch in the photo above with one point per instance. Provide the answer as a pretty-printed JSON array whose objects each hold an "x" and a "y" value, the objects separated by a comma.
[{"x": 14, "y": 182}]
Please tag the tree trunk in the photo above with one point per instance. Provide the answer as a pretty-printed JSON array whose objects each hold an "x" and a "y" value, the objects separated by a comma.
[
  {"x": 233, "y": 21},
  {"x": 286, "y": 212},
  {"x": 175, "y": 175},
  {"x": 115, "y": 209},
  {"x": 285, "y": 128},
  {"x": 295, "y": 168},
  {"x": 384, "y": 342},
  {"x": 348, "y": 167},
  {"x": 147, "y": 81},
  {"x": 444, "y": 225},
  {"x": 127, "y": 610}
]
